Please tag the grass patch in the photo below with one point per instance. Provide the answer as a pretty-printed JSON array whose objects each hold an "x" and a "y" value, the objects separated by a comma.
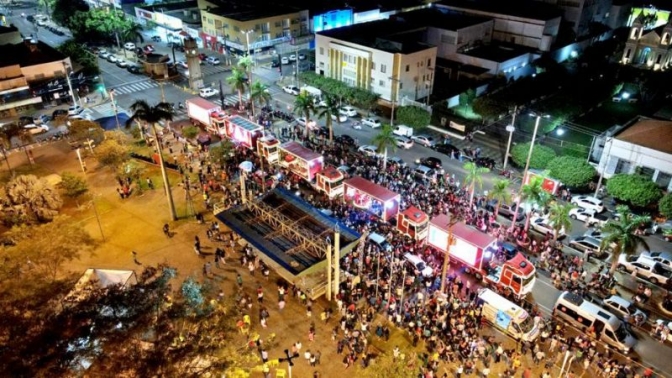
[
  {"x": 466, "y": 112},
  {"x": 609, "y": 114},
  {"x": 24, "y": 169}
]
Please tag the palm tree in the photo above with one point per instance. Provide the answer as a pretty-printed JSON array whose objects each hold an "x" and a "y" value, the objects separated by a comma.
[
  {"x": 328, "y": 110},
  {"x": 558, "y": 216},
  {"x": 534, "y": 194},
  {"x": 303, "y": 104},
  {"x": 245, "y": 63},
  {"x": 259, "y": 92},
  {"x": 621, "y": 234},
  {"x": 384, "y": 140},
  {"x": 143, "y": 112},
  {"x": 474, "y": 173},
  {"x": 238, "y": 81},
  {"x": 132, "y": 33},
  {"x": 500, "y": 193}
]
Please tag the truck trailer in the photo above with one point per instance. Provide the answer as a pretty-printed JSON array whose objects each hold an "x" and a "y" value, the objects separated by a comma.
[{"x": 207, "y": 114}]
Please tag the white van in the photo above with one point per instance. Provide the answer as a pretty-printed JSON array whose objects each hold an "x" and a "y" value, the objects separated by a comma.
[
  {"x": 380, "y": 241},
  {"x": 507, "y": 316},
  {"x": 403, "y": 130},
  {"x": 419, "y": 265},
  {"x": 580, "y": 313}
]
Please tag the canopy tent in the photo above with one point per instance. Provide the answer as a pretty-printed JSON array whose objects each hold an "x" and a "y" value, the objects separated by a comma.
[{"x": 98, "y": 279}]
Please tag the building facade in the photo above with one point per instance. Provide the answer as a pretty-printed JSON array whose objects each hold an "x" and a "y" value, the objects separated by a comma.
[
  {"x": 581, "y": 13},
  {"x": 642, "y": 146},
  {"x": 648, "y": 49}
]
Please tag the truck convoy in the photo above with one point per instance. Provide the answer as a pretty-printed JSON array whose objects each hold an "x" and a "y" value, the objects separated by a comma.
[
  {"x": 477, "y": 251},
  {"x": 208, "y": 114},
  {"x": 507, "y": 316}
]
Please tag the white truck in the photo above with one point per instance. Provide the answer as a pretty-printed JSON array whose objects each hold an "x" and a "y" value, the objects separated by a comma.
[
  {"x": 507, "y": 316},
  {"x": 314, "y": 92},
  {"x": 206, "y": 113},
  {"x": 403, "y": 130}
]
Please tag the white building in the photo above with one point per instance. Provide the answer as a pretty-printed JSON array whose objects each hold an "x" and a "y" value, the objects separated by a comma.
[
  {"x": 385, "y": 57},
  {"x": 581, "y": 13},
  {"x": 529, "y": 24},
  {"x": 648, "y": 48},
  {"x": 641, "y": 146}
]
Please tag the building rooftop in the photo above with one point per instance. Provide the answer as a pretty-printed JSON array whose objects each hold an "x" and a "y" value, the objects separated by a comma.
[
  {"x": 393, "y": 36},
  {"x": 649, "y": 133},
  {"x": 27, "y": 54},
  {"x": 248, "y": 12},
  {"x": 534, "y": 10},
  {"x": 167, "y": 7},
  {"x": 440, "y": 18},
  {"x": 496, "y": 53}
]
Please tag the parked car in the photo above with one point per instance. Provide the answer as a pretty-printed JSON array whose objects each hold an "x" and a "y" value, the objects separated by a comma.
[
  {"x": 25, "y": 120},
  {"x": 544, "y": 226},
  {"x": 403, "y": 142},
  {"x": 129, "y": 46},
  {"x": 39, "y": 119},
  {"x": 373, "y": 123},
  {"x": 585, "y": 215},
  {"x": 348, "y": 111},
  {"x": 424, "y": 140},
  {"x": 112, "y": 58},
  {"x": 275, "y": 63},
  {"x": 447, "y": 149},
  {"x": 507, "y": 211},
  {"x": 284, "y": 60},
  {"x": 292, "y": 58},
  {"x": 646, "y": 268},
  {"x": 122, "y": 63},
  {"x": 291, "y": 89},
  {"x": 75, "y": 109},
  {"x": 36, "y": 129},
  {"x": 208, "y": 92},
  {"x": 132, "y": 68},
  {"x": 588, "y": 202},
  {"x": 395, "y": 160},
  {"x": 212, "y": 60},
  {"x": 301, "y": 121},
  {"x": 340, "y": 118},
  {"x": 623, "y": 308},
  {"x": 369, "y": 150},
  {"x": 156, "y": 38},
  {"x": 664, "y": 258},
  {"x": 588, "y": 245},
  {"x": 431, "y": 162},
  {"x": 345, "y": 140},
  {"x": 182, "y": 64},
  {"x": 302, "y": 56}
]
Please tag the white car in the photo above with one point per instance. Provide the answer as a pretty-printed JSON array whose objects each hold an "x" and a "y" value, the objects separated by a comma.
[
  {"x": 373, "y": 123},
  {"x": 664, "y": 258},
  {"x": 291, "y": 89},
  {"x": 425, "y": 140},
  {"x": 182, "y": 64},
  {"x": 588, "y": 216},
  {"x": 302, "y": 56},
  {"x": 543, "y": 226},
  {"x": 36, "y": 129},
  {"x": 75, "y": 109},
  {"x": 130, "y": 46},
  {"x": 623, "y": 308},
  {"x": 292, "y": 58},
  {"x": 348, "y": 111},
  {"x": 369, "y": 150},
  {"x": 650, "y": 270},
  {"x": 103, "y": 54},
  {"x": 284, "y": 60},
  {"x": 301, "y": 121},
  {"x": 208, "y": 92},
  {"x": 339, "y": 118},
  {"x": 588, "y": 202},
  {"x": 112, "y": 59},
  {"x": 403, "y": 142},
  {"x": 212, "y": 60}
]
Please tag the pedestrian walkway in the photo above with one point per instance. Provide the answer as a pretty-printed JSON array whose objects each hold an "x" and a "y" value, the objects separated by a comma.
[
  {"x": 207, "y": 69},
  {"x": 135, "y": 87}
]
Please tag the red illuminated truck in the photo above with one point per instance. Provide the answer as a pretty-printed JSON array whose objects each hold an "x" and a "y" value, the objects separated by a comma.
[
  {"x": 208, "y": 114},
  {"x": 477, "y": 251},
  {"x": 244, "y": 132},
  {"x": 550, "y": 185},
  {"x": 413, "y": 222}
]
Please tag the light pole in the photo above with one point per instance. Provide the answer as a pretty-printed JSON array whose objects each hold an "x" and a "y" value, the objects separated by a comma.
[
  {"x": 451, "y": 222},
  {"x": 67, "y": 78},
  {"x": 393, "y": 96},
  {"x": 606, "y": 164},
  {"x": 227, "y": 60},
  {"x": 247, "y": 39},
  {"x": 510, "y": 128}
]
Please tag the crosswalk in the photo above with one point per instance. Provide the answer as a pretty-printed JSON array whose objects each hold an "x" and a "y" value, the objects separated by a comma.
[
  {"x": 135, "y": 87},
  {"x": 231, "y": 99}
]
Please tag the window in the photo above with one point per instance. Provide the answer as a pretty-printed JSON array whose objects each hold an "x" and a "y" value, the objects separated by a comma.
[
  {"x": 383, "y": 68},
  {"x": 429, "y": 62},
  {"x": 321, "y": 50},
  {"x": 381, "y": 83},
  {"x": 408, "y": 67},
  {"x": 373, "y": 65},
  {"x": 646, "y": 172},
  {"x": 623, "y": 166},
  {"x": 401, "y": 85},
  {"x": 236, "y": 29},
  {"x": 663, "y": 179}
]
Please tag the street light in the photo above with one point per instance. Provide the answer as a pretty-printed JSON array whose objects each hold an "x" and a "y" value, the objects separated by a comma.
[
  {"x": 510, "y": 128},
  {"x": 393, "y": 96},
  {"x": 67, "y": 78},
  {"x": 247, "y": 39},
  {"x": 606, "y": 164},
  {"x": 560, "y": 131}
]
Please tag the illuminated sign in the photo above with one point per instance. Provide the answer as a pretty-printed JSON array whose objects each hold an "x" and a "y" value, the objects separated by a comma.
[
  {"x": 333, "y": 20},
  {"x": 464, "y": 252},
  {"x": 438, "y": 237}
]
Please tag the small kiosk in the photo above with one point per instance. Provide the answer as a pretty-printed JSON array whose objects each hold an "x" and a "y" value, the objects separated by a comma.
[
  {"x": 242, "y": 130},
  {"x": 267, "y": 147},
  {"x": 413, "y": 222},
  {"x": 371, "y": 197},
  {"x": 329, "y": 181},
  {"x": 300, "y": 160}
]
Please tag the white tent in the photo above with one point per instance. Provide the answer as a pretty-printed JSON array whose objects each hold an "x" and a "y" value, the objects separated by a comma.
[{"x": 98, "y": 279}]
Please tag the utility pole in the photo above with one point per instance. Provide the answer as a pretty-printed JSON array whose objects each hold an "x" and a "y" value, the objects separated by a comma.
[
  {"x": 337, "y": 258},
  {"x": 67, "y": 78},
  {"x": 606, "y": 164},
  {"x": 446, "y": 258},
  {"x": 394, "y": 95},
  {"x": 510, "y": 128},
  {"x": 329, "y": 283}
]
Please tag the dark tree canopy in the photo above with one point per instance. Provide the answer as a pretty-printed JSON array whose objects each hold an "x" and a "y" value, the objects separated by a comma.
[
  {"x": 413, "y": 116},
  {"x": 571, "y": 171},
  {"x": 541, "y": 155},
  {"x": 635, "y": 189}
]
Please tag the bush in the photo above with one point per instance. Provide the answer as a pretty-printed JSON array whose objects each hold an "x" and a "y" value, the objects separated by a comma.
[
  {"x": 665, "y": 206},
  {"x": 571, "y": 171},
  {"x": 413, "y": 116},
  {"x": 190, "y": 132},
  {"x": 635, "y": 189},
  {"x": 356, "y": 96},
  {"x": 541, "y": 155}
]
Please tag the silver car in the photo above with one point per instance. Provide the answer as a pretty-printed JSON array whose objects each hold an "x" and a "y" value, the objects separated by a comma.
[{"x": 623, "y": 308}]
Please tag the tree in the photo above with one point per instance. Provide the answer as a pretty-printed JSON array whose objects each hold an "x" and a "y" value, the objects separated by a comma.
[
  {"x": 385, "y": 140},
  {"x": 31, "y": 200},
  {"x": 190, "y": 132},
  {"x": 665, "y": 206},
  {"x": 304, "y": 105},
  {"x": 75, "y": 50},
  {"x": 636, "y": 189},
  {"x": 73, "y": 186},
  {"x": 534, "y": 194},
  {"x": 132, "y": 32},
  {"x": 63, "y": 10},
  {"x": 467, "y": 97},
  {"x": 23, "y": 136},
  {"x": 259, "y": 93},
  {"x": 328, "y": 111},
  {"x": 500, "y": 192},
  {"x": 152, "y": 115},
  {"x": 238, "y": 81},
  {"x": 474, "y": 178},
  {"x": 385, "y": 365},
  {"x": 489, "y": 108},
  {"x": 111, "y": 153},
  {"x": 5, "y": 144},
  {"x": 541, "y": 155},
  {"x": 82, "y": 129},
  {"x": 559, "y": 217},
  {"x": 571, "y": 171},
  {"x": 622, "y": 235},
  {"x": 222, "y": 152},
  {"x": 413, "y": 116}
]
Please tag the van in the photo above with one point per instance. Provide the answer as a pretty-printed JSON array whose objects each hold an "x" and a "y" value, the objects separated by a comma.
[
  {"x": 403, "y": 130},
  {"x": 423, "y": 172},
  {"x": 419, "y": 265},
  {"x": 507, "y": 316},
  {"x": 582, "y": 314},
  {"x": 380, "y": 241}
]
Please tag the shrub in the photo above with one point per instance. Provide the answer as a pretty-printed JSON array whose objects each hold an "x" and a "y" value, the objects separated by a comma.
[
  {"x": 413, "y": 116},
  {"x": 665, "y": 206},
  {"x": 571, "y": 171},
  {"x": 541, "y": 155},
  {"x": 635, "y": 189}
]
